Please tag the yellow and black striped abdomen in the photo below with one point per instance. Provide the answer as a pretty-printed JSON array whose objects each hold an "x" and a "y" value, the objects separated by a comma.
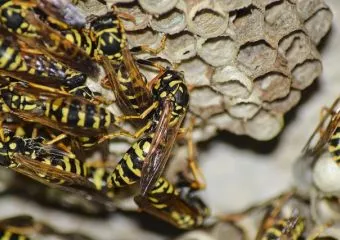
[
  {"x": 8, "y": 235},
  {"x": 17, "y": 102},
  {"x": 291, "y": 228},
  {"x": 334, "y": 145},
  {"x": 75, "y": 113},
  {"x": 128, "y": 170},
  {"x": 67, "y": 163},
  {"x": 162, "y": 186},
  {"x": 10, "y": 58},
  {"x": 181, "y": 212}
]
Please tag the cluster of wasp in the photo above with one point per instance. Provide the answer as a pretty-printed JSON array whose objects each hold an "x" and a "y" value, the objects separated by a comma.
[{"x": 49, "y": 116}]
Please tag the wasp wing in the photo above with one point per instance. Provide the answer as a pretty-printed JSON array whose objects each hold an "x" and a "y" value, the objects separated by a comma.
[
  {"x": 161, "y": 146},
  {"x": 38, "y": 113},
  {"x": 129, "y": 86},
  {"x": 62, "y": 10},
  {"x": 55, "y": 44},
  {"x": 325, "y": 129},
  {"x": 138, "y": 86}
]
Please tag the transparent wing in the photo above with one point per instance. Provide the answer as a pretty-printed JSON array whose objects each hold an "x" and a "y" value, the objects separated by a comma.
[
  {"x": 161, "y": 146},
  {"x": 37, "y": 114},
  {"x": 63, "y": 10},
  {"x": 53, "y": 43},
  {"x": 50, "y": 175},
  {"x": 323, "y": 131},
  {"x": 129, "y": 86}
]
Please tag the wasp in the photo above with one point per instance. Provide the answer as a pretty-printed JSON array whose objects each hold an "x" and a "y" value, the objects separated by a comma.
[
  {"x": 173, "y": 205},
  {"x": 22, "y": 226},
  {"x": 36, "y": 68},
  {"x": 72, "y": 115},
  {"x": 53, "y": 166},
  {"x": 165, "y": 115},
  {"x": 24, "y": 22},
  {"x": 43, "y": 70},
  {"x": 286, "y": 228},
  {"x": 106, "y": 42}
]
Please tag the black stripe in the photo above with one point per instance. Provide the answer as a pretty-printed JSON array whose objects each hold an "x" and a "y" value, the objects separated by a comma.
[
  {"x": 90, "y": 113},
  {"x": 72, "y": 118}
]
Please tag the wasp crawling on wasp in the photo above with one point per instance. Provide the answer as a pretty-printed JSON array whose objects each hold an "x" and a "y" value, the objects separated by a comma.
[
  {"x": 56, "y": 168},
  {"x": 163, "y": 120},
  {"x": 38, "y": 68},
  {"x": 43, "y": 70}
]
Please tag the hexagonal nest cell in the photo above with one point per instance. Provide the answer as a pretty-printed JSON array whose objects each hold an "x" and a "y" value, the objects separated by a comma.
[{"x": 250, "y": 58}]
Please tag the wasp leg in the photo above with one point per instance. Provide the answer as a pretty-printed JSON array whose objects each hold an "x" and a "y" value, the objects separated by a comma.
[
  {"x": 135, "y": 135},
  {"x": 141, "y": 116},
  {"x": 116, "y": 134},
  {"x": 147, "y": 49},
  {"x": 47, "y": 89},
  {"x": 198, "y": 182},
  {"x": 124, "y": 15},
  {"x": 56, "y": 139},
  {"x": 139, "y": 131}
]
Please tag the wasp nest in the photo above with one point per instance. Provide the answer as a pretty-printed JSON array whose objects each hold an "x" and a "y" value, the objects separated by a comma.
[{"x": 246, "y": 61}]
